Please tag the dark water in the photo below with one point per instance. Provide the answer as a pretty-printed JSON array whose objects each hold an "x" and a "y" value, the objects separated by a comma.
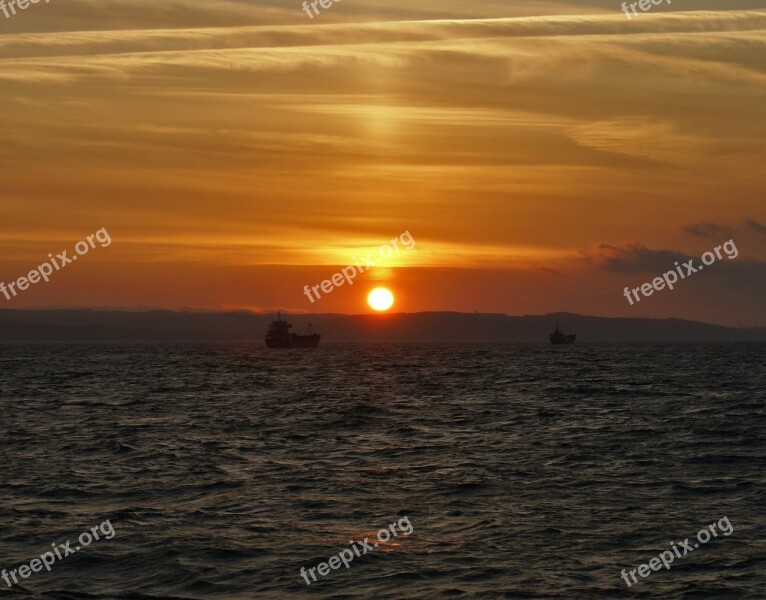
[{"x": 525, "y": 471}]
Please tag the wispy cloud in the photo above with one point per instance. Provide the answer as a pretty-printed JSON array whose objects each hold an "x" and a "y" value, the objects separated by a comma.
[
  {"x": 754, "y": 225},
  {"x": 710, "y": 230}
]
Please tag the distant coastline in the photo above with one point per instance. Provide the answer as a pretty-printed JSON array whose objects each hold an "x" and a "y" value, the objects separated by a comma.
[{"x": 79, "y": 325}]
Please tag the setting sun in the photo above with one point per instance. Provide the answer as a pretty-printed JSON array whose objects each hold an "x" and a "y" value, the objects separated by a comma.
[{"x": 380, "y": 299}]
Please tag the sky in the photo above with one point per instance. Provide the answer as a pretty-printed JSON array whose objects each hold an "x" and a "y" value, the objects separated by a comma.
[{"x": 542, "y": 155}]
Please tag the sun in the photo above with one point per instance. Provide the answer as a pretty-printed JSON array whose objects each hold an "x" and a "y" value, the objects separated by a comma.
[{"x": 380, "y": 299}]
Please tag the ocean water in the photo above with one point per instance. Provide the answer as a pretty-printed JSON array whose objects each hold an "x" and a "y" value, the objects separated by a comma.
[{"x": 526, "y": 471}]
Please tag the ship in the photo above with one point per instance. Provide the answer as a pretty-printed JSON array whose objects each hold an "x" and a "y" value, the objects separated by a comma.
[
  {"x": 280, "y": 336},
  {"x": 560, "y": 339}
]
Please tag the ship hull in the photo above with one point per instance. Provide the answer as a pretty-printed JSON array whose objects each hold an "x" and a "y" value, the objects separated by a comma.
[
  {"x": 565, "y": 341},
  {"x": 296, "y": 341}
]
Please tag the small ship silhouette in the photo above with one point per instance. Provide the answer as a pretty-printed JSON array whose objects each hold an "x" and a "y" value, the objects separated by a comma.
[{"x": 279, "y": 336}]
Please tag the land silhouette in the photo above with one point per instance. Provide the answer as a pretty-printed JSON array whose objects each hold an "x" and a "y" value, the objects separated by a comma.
[{"x": 65, "y": 325}]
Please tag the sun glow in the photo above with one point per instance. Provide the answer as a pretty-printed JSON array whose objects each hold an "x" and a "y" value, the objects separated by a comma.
[{"x": 380, "y": 299}]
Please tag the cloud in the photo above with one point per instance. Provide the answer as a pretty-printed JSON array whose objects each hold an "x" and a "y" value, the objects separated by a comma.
[
  {"x": 636, "y": 258},
  {"x": 710, "y": 230},
  {"x": 741, "y": 274},
  {"x": 754, "y": 225}
]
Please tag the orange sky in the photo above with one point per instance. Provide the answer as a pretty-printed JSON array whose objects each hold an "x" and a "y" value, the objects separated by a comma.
[{"x": 543, "y": 156}]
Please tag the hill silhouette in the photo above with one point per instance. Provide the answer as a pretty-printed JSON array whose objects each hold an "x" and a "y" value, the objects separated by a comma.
[{"x": 170, "y": 326}]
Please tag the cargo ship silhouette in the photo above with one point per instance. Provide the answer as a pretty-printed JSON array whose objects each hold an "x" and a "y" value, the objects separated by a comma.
[
  {"x": 279, "y": 336},
  {"x": 559, "y": 339}
]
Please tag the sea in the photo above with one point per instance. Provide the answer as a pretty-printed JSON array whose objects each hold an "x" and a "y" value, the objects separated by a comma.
[{"x": 524, "y": 470}]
